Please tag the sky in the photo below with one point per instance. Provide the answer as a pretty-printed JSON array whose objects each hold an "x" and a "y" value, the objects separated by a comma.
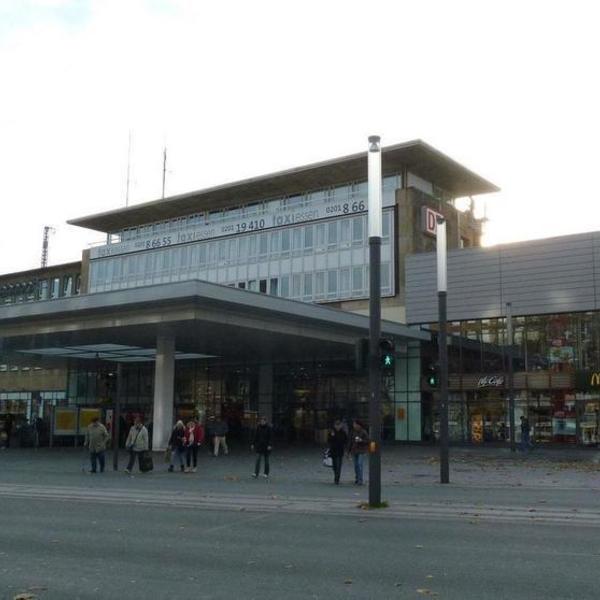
[{"x": 236, "y": 89}]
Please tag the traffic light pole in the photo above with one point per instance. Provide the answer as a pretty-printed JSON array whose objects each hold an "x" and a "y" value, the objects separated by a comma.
[
  {"x": 375, "y": 219},
  {"x": 442, "y": 278}
]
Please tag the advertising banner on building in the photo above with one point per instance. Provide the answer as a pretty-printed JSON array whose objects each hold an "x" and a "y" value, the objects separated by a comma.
[{"x": 65, "y": 421}]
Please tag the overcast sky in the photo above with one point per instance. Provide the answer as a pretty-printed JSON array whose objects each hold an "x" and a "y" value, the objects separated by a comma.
[{"x": 243, "y": 88}]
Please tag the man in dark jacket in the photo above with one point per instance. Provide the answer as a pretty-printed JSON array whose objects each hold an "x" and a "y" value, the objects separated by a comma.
[
  {"x": 338, "y": 442},
  {"x": 262, "y": 446}
]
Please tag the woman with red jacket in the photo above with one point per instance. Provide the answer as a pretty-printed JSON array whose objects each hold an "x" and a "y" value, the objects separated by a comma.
[{"x": 194, "y": 436}]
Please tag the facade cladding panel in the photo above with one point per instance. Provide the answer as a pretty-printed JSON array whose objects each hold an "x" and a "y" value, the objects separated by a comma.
[{"x": 554, "y": 275}]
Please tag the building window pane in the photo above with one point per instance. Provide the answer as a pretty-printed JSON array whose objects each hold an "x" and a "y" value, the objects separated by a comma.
[
  {"x": 357, "y": 230},
  {"x": 344, "y": 282},
  {"x": 285, "y": 240},
  {"x": 345, "y": 233},
  {"x": 321, "y": 243},
  {"x": 274, "y": 291},
  {"x": 263, "y": 244},
  {"x": 297, "y": 239},
  {"x": 55, "y": 287},
  {"x": 385, "y": 277},
  {"x": 331, "y": 283},
  {"x": 285, "y": 286},
  {"x": 243, "y": 249},
  {"x": 262, "y": 287},
  {"x": 296, "y": 285},
  {"x": 308, "y": 237},
  {"x": 308, "y": 284},
  {"x": 332, "y": 234},
  {"x": 43, "y": 289},
  {"x": 320, "y": 285},
  {"x": 357, "y": 280},
  {"x": 274, "y": 243},
  {"x": 252, "y": 247}
]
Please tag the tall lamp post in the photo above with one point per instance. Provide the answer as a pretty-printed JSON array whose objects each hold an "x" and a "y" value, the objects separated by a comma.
[
  {"x": 375, "y": 220},
  {"x": 117, "y": 416},
  {"x": 510, "y": 382},
  {"x": 442, "y": 286}
]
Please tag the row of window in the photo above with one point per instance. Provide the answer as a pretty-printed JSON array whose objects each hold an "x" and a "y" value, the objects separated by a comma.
[
  {"x": 335, "y": 246},
  {"x": 306, "y": 240},
  {"x": 333, "y": 284},
  {"x": 41, "y": 289},
  {"x": 345, "y": 193}
]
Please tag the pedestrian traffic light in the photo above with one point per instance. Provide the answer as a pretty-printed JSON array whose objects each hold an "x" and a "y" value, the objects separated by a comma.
[
  {"x": 387, "y": 356},
  {"x": 432, "y": 375}
]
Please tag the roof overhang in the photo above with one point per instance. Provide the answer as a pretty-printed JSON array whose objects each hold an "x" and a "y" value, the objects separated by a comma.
[
  {"x": 416, "y": 156},
  {"x": 206, "y": 319}
]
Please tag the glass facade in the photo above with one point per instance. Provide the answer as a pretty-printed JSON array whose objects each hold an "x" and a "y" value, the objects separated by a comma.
[
  {"x": 555, "y": 359},
  {"x": 39, "y": 288},
  {"x": 312, "y": 262}
]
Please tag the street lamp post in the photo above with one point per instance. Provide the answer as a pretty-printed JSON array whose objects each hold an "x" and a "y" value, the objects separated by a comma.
[
  {"x": 511, "y": 390},
  {"x": 375, "y": 220},
  {"x": 117, "y": 416},
  {"x": 442, "y": 286}
]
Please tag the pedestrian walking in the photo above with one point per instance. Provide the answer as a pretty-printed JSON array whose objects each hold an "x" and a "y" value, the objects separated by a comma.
[
  {"x": 262, "y": 446},
  {"x": 96, "y": 438},
  {"x": 338, "y": 444},
  {"x": 194, "y": 436},
  {"x": 359, "y": 444},
  {"x": 220, "y": 431},
  {"x": 136, "y": 443},
  {"x": 525, "y": 433},
  {"x": 177, "y": 445}
]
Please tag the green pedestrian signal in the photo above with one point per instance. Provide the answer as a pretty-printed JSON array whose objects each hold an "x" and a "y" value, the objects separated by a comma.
[{"x": 387, "y": 354}]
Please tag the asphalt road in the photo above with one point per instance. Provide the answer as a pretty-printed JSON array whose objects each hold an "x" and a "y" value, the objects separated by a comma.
[
  {"x": 72, "y": 549},
  {"x": 505, "y": 529}
]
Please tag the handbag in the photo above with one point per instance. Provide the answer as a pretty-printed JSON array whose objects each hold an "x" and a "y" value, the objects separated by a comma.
[
  {"x": 168, "y": 455},
  {"x": 327, "y": 460},
  {"x": 146, "y": 463}
]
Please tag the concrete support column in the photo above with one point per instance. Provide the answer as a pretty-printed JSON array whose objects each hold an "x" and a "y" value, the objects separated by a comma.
[
  {"x": 164, "y": 385},
  {"x": 265, "y": 392}
]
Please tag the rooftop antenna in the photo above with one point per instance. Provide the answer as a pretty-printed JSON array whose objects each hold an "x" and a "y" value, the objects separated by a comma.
[
  {"x": 128, "y": 169},
  {"x": 164, "y": 172},
  {"x": 47, "y": 231}
]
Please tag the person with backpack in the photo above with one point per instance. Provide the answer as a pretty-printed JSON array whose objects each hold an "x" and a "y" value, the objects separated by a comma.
[
  {"x": 96, "y": 438},
  {"x": 193, "y": 438},
  {"x": 338, "y": 442},
  {"x": 262, "y": 446},
  {"x": 136, "y": 444},
  {"x": 359, "y": 444},
  {"x": 177, "y": 445}
]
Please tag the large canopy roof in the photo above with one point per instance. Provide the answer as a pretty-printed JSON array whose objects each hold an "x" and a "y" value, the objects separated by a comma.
[
  {"x": 206, "y": 319},
  {"x": 416, "y": 156}
]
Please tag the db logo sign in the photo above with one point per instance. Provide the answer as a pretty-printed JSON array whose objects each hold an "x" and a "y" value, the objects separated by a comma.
[{"x": 429, "y": 220}]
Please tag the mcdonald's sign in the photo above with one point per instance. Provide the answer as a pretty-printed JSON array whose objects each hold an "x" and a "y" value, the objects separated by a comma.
[{"x": 588, "y": 380}]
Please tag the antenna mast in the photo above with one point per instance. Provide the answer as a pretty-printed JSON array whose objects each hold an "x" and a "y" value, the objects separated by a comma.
[
  {"x": 45, "y": 239},
  {"x": 128, "y": 168},
  {"x": 164, "y": 173}
]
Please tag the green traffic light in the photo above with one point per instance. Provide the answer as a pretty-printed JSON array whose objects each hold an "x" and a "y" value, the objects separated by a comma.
[{"x": 388, "y": 361}]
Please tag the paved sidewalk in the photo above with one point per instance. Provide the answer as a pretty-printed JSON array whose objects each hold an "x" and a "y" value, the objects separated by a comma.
[{"x": 409, "y": 473}]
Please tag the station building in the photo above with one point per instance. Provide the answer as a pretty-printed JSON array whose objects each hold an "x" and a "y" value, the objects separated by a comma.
[{"x": 240, "y": 299}]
